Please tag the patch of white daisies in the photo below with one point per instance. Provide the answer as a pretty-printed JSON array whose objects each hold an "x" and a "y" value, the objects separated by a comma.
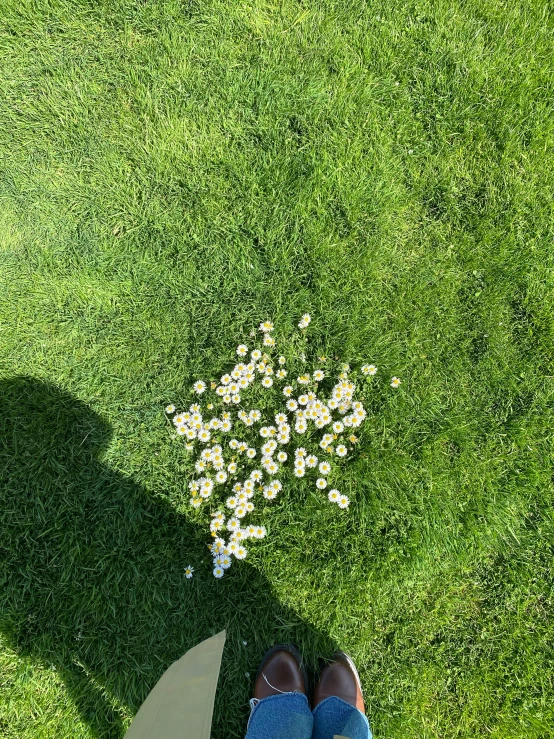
[{"x": 307, "y": 412}]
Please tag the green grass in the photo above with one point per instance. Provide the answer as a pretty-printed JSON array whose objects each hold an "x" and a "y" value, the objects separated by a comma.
[{"x": 173, "y": 173}]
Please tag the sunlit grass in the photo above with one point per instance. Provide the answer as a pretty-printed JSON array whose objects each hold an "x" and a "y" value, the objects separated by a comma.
[{"x": 172, "y": 173}]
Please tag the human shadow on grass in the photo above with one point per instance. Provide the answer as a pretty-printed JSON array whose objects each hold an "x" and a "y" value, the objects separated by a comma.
[{"x": 91, "y": 579}]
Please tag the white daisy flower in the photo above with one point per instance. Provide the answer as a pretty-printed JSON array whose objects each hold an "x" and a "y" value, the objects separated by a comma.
[
  {"x": 269, "y": 340},
  {"x": 218, "y": 545},
  {"x": 256, "y": 475},
  {"x": 232, "y": 468},
  {"x": 218, "y": 571},
  {"x": 199, "y": 387},
  {"x": 170, "y": 409},
  {"x": 233, "y": 524},
  {"x": 324, "y": 468},
  {"x": 267, "y": 382},
  {"x": 287, "y": 390},
  {"x": 303, "y": 379},
  {"x": 220, "y": 477},
  {"x": 300, "y": 452},
  {"x": 188, "y": 571},
  {"x": 281, "y": 374},
  {"x": 333, "y": 496},
  {"x": 242, "y": 350},
  {"x": 250, "y": 453},
  {"x": 292, "y": 405},
  {"x": 321, "y": 483},
  {"x": 251, "y": 531},
  {"x": 255, "y": 415},
  {"x": 369, "y": 369},
  {"x": 395, "y": 382},
  {"x": 305, "y": 321},
  {"x": 204, "y": 435},
  {"x": 299, "y": 471},
  {"x": 266, "y": 326},
  {"x": 200, "y": 466},
  {"x": 303, "y": 399},
  {"x": 341, "y": 450},
  {"x": 282, "y": 360},
  {"x": 269, "y": 493},
  {"x": 311, "y": 460},
  {"x": 249, "y": 506},
  {"x": 318, "y": 375},
  {"x": 240, "y": 511},
  {"x": 182, "y": 430},
  {"x": 231, "y": 502},
  {"x": 343, "y": 501},
  {"x": 189, "y": 447},
  {"x": 224, "y": 561},
  {"x": 227, "y": 399},
  {"x": 256, "y": 355},
  {"x": 195, "y": 502},
  {"x": 260, "y": 532},
  {"x": 282, "y": 457},
  {"x": 241, "y": 553}
]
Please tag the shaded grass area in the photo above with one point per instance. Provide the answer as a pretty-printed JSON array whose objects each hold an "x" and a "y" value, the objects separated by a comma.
[{"x": 173, "y": 173}]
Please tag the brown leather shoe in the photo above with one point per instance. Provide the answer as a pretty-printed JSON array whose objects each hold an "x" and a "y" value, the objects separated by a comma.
[
  {"x": 341, "y": 679},
  {"x": 281, "y": 671}
]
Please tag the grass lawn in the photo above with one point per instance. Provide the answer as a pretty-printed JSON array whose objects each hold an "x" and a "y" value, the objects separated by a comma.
[{"x": 172, "y": 173}]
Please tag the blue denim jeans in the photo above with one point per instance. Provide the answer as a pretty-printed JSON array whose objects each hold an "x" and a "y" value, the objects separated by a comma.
[{"x": 288, "y": 716}]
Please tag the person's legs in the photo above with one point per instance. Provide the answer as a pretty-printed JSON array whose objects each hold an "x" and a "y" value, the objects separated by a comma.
[
  {"x": 335, "y": 717},
  {"x": 338, "y": 702},
  {"x": 280, "y": 707},
  {"x": 282, "y": 716}
]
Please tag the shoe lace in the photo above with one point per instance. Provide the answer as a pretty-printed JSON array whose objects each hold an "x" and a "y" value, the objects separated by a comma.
[{"x": 254, "y": 701}]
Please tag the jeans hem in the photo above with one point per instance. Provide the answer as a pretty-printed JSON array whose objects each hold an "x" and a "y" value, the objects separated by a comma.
[{"x": 273, "y": 697}]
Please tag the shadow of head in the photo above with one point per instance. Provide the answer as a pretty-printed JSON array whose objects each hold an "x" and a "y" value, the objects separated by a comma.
[{"x": 92, "y": 570}]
